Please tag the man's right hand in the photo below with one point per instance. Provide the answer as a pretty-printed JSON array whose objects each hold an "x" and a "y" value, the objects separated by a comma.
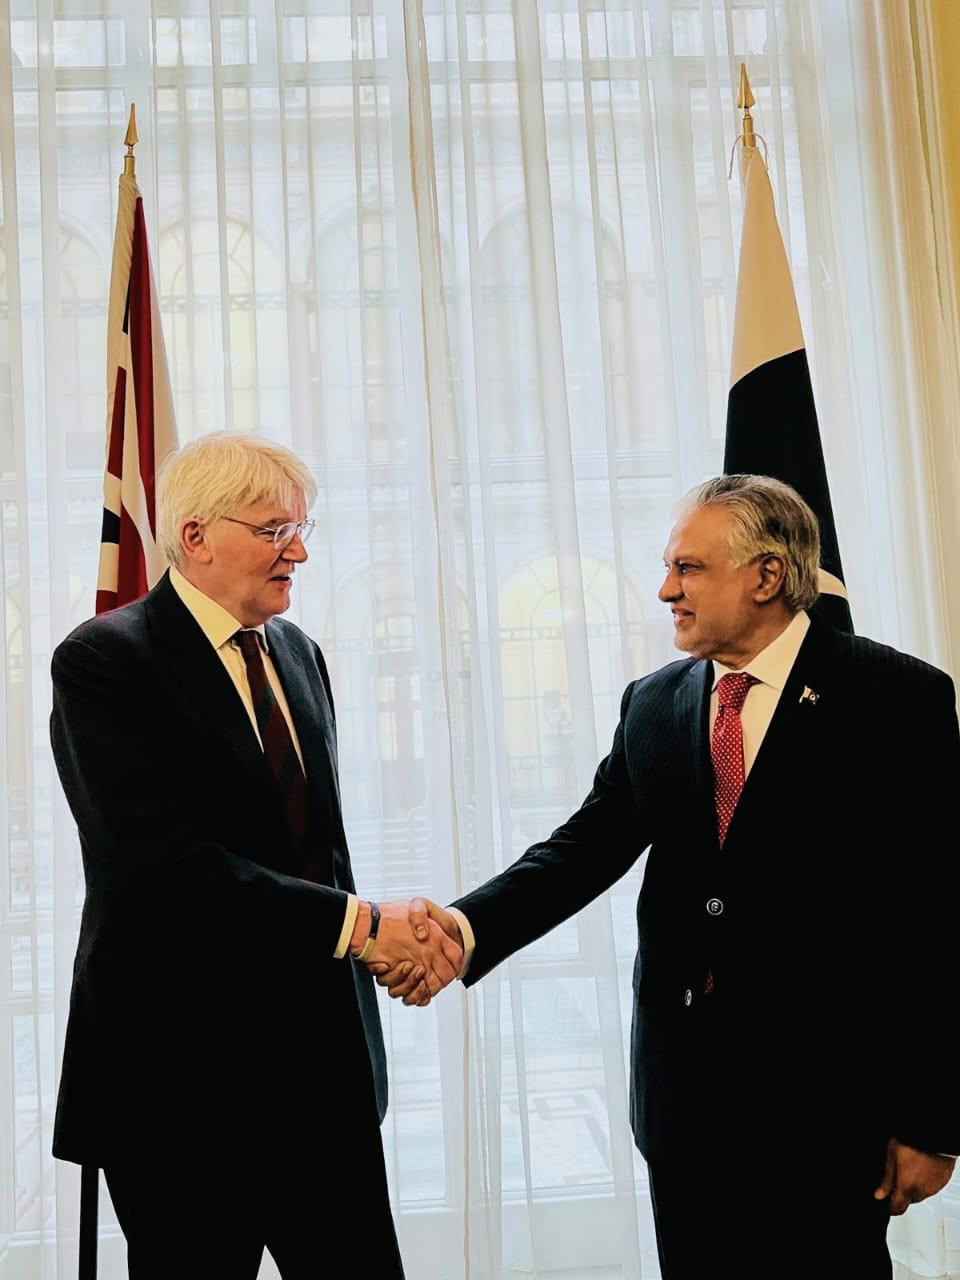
[
  {"x": 411, "y": 947},
  {"x": 403, "y": 982}
]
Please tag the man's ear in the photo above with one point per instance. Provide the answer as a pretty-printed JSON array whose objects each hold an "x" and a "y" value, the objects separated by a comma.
[
  {"x": 193, "y": 539},
  {"x": 772, "y": 571}
]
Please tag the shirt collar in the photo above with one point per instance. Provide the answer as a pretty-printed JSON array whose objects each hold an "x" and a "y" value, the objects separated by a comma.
[
  {"x": 216, "y": 622},
  {"x": 773, "y": 664}
]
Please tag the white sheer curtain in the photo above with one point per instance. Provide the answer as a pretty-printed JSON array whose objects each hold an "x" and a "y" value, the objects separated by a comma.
[{"x": 475, "y": 261}]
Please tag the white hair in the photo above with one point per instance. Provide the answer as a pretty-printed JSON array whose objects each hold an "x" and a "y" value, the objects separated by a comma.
[{"x": 220, "y": 473}]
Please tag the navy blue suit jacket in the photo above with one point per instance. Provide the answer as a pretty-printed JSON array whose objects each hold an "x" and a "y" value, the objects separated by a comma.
[
  {"x": 829, "y": 918},
  {"x": 207, "y": 1014}
]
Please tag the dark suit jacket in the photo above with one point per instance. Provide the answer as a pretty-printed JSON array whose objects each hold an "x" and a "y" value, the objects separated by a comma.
[
  {"x": 829, "y": 918},
  {"x": 208, "y": 1016}
]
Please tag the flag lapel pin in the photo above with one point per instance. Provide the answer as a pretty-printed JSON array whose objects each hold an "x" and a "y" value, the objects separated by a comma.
[{"x": 809, "y": 695}]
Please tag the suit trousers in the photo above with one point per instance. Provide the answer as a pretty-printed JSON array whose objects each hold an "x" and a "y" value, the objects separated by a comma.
[
  {"x": 771, "y": 1150},
  {"x": 754, "y": 1224},
  {"x": 741, "y": 1189},
  {"x": 326, "y": 1216}
]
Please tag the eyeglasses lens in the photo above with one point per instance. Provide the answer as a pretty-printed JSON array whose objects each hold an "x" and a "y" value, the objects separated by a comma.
[{"x": 286, "y": 533}]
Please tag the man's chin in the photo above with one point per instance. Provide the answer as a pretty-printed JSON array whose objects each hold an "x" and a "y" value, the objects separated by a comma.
[
  {"x": 684, "y": 639},
  {"x": 268, "y": 607}
]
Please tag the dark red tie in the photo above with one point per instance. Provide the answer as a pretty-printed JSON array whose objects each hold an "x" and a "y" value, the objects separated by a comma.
[
  {"x": 726, "y": 746},
  {"x": 277, "y": 742}
]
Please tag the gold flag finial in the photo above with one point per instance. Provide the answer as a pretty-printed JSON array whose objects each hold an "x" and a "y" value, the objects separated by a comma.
[
  {"x": 745, "y": 100},
  {"x": 130, "y": 140}
]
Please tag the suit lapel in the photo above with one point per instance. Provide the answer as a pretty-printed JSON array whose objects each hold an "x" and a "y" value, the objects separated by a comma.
[
  {"x": 691, "y": 708},
  {"x": 196, "y": 667},
  {"x": 313, "y": 721},
  {"x": 794, "y": 737},
  {"x": 311, "y": 718}
]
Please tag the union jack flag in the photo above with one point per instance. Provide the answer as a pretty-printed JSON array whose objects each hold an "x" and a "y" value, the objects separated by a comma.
[{"x": 141, "y": 427}]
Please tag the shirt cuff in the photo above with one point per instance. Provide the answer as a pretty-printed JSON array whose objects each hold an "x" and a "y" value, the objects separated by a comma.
[
  {"x": 349, "y": 920},
  {"x": 469, "y": 941}
]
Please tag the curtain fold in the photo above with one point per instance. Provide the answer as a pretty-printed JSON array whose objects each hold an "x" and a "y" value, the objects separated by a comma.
[{"x": 475, "y": 261}]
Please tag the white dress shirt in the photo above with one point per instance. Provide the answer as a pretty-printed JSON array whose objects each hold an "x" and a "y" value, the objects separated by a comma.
[
  {"x": 771, "y": 668},
  {"x": 220, "y": 627}
]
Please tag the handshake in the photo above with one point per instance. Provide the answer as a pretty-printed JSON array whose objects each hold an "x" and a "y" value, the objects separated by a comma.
[{"x": 417, "y": 951}]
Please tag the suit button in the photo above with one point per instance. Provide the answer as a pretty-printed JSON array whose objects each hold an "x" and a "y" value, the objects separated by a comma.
[
  {"x": 688, "y": 997},
  {"x": 714, "y": 906}
]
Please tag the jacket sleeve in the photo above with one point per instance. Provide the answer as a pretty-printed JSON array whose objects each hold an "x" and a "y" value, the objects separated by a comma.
[
  {"x": 924, "y": 1065},
  {"x": 558, "y": 877},
  {"x": 136, "y": 839}
]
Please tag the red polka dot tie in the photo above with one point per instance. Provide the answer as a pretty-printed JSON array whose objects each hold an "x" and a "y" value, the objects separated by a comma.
[{"x": 726, "y": 746}]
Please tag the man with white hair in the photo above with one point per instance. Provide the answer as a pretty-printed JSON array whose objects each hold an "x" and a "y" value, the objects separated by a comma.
[
  {"x": 224, "y": 1062},
  {"x": 795, "y": 1054}
]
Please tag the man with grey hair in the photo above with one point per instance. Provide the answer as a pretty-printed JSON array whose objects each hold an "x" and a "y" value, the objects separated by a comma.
[
  {"x": 224, "y": 1062},
  {"x": 795, "y": 1055}
]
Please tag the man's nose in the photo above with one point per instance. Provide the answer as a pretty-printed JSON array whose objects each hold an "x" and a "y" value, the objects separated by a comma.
[
  {"x": 295, "y": 550},
  {"x": 671, "y": 588}
]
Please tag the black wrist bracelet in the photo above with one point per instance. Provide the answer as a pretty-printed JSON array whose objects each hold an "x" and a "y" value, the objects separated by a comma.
[{"x": 364, "y": 953}]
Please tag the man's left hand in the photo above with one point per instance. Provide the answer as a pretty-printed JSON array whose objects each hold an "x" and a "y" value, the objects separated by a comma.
[{"x": 911, "y": 1176}]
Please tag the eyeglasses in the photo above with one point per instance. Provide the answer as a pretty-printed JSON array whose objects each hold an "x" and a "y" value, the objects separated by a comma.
[{"x": 283, "y": 534}]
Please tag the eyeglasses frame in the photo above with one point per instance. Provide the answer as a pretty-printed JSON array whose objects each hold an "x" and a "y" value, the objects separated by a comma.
[{"x": 298, "y": 530}]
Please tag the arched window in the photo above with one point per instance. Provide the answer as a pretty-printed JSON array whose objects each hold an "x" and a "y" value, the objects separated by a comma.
[
  {"x": 372, "y": 646},
  {"x": 84, "y": 290},
  {"x": 351, "y": 383},
  {"x": 617, "y": 312},
  {"x": 190, "y": 289},
  {"x": 533, "y": 640}
]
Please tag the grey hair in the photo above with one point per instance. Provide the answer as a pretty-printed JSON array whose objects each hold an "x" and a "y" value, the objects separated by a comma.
[
  {"x": 220, "y": 473},
  {"x": 768, "y": 518}
]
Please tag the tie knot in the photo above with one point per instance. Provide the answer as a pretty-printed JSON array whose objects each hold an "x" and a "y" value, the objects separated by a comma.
[
  {"x": 249, "y": 643},
  {"x": 732, "y": 689}
]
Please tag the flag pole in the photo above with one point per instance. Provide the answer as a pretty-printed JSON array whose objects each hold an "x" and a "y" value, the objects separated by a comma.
[
  {"x": 141, "y": 424},
  {"x": 746, "y": 100},
  {"x": 748, "y": 138},
  {"x": 130, "y": 140}
]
